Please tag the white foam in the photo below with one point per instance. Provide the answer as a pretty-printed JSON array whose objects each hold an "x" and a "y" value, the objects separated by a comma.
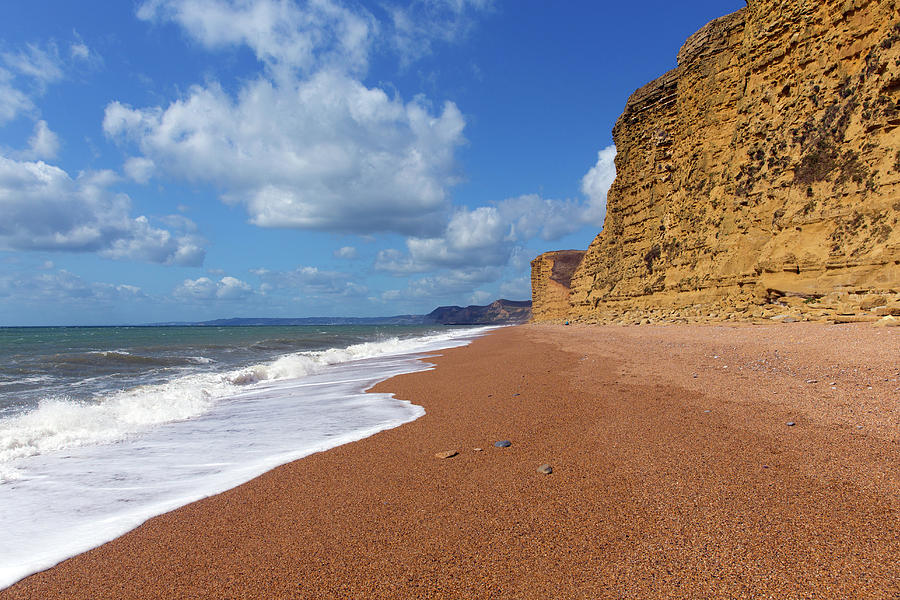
[
  {"x": 58, "y": 423},
  {"x": 75, "y": 494}
]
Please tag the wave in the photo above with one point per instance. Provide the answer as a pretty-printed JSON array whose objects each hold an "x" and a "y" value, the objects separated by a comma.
[
  {"x": 58, "y": 423},
  {"x": 121, "y": 358}
]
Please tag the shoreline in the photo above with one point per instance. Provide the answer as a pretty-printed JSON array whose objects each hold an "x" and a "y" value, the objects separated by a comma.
[{"x": 675, "y": 475}]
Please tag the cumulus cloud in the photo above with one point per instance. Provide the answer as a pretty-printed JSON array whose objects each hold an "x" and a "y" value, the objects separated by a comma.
[
  {"x": 45, "y": 209},
  {"x": 282, "y": 34},
  {"x": 489, "y": 235},
  {"x": 348, "y": 252},
  {"x": 306, "y": 144},
  {"x": 139, "y": 169},
  {"x": 204, "y": 288},
  {"x": 476, "y": 237},
  {"x": 596, "y": 183},
  {"x": 325, "y": 153},
  {"x": 492, "y": 237}
]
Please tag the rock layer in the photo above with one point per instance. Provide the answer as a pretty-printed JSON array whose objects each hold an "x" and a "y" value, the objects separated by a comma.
[{"x": 760, "y": 177}]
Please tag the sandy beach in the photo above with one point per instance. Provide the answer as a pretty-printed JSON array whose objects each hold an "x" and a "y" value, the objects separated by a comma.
[{"x": 689, "y": 461}]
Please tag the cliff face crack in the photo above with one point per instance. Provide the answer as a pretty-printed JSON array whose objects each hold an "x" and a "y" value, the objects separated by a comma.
[{"x": 767, "y": 160}]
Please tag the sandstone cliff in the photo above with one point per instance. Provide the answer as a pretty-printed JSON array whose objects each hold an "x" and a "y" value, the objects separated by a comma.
[
  {"x": 761, "y": 176},
  {"x": 551, "y": 275}
]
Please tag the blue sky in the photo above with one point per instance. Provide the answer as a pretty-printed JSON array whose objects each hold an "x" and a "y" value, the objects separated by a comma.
[{"x": 168, "y": 160}]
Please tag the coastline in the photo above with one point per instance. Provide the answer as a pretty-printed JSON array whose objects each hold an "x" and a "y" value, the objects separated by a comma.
[{"x": 664, "y": 484}]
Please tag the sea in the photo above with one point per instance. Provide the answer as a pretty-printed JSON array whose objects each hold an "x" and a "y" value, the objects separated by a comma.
[{"x": 102, "y": 428}]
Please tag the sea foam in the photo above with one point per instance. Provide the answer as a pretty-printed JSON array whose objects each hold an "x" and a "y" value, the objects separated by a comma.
[
  {"x": 58, "y": 423},
  {"x": 80, "y": 474}
]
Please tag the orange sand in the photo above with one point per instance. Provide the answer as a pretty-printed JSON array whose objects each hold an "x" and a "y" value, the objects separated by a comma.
[{"x": 664, "y": 485}]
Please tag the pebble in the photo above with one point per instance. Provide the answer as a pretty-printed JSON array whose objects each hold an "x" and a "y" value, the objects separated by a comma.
[
  {"x": 503, "y": 444},
  {"x": 447, "y": 454},
  {"x": 790, "y": 423},
  {"x": 545, "y": 469},
  {"x": 476, "y": 449},
  {"x": 514, "y": 395},
  {"x": 812, "y": 381}
]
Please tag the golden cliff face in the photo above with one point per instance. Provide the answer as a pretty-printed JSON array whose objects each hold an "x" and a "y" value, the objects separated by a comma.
[
  {"x": 551, "y": 274},
  {"x": 759, "y": 177}
]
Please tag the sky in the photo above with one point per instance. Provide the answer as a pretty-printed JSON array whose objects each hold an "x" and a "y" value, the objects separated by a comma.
[{"x": 186, "y": 160}]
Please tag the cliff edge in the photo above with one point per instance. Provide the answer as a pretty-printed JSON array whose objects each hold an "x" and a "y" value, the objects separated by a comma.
[{"x": 759, "y": 178}]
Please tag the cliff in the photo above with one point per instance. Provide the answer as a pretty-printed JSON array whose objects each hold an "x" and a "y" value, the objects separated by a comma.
[
  {"x": 760, "y": 177},
  {"x": 551, "y": 275}
]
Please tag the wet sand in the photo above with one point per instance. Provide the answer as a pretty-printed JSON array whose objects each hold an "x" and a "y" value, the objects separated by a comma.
[{"x": 675, "y": 475}]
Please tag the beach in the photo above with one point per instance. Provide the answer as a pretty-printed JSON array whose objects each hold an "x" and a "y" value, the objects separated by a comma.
[{"x": 688, "y": 461}]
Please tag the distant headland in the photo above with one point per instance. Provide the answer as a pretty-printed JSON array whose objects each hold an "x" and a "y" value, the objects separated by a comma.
[{"x": 499, "y": 312}]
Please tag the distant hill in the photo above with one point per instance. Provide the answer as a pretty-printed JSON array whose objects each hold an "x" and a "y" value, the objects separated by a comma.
[{"x": 499, "y": 312}]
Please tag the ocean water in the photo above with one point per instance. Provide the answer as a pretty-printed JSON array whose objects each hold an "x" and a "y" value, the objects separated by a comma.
[{"x": 102, "y": 428}]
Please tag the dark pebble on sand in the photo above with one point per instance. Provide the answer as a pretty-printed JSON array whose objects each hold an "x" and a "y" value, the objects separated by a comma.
[
  {"x": 545, "y": 469},
  {"x": 790, "y": 423},
  {"x": 503, "y": 444}
]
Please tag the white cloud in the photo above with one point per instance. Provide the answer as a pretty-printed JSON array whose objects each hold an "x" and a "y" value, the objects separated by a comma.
[
  {"x": 25, "y": 74},
  {"x": 283, "y": 34},
  {"x": 80, "y": 51},
  {"x": 516, "y": 289},
  {"x": 204, "y": 288},
  {"x": 325, "y": 153},
  {"x": 495, "y": 236},
  {"x": 595, "y": 185},
  {"x": 481, "y": 297},
  {"x": 416, "y": 25},
  {"x": 40, "y": 65},
  {"x": 307, "y": 145},
  {"x": 488, "y": 235},
  {"x": 45, "y": 209},
  {"x": 12, "y": 100},
  {"x": 231, "y": 288},
  {"x": 472, "y": 238},
  {"x": 139, "y": 169},
  {"x": 44, "y": 143},
  {"x": 81, "y": 55},
  {"x": 311, "y": 282},
  {"x": 348, "y": 252},
  {"x": 62, "y": 285},
  {"x": 449, "y": 284}
]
